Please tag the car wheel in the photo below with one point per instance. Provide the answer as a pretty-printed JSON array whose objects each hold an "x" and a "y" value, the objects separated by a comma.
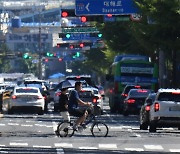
[
  {"x": 41, "y": 112},
  {"x": 143, "y": 126},
  {"x": 152, "y": 126},
  {"x": 125, "y": 113},
  {"x": 179, "y": 128}
]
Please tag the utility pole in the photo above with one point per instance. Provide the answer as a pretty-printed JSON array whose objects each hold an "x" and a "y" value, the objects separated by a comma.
[{"x": 40, "y": 46}]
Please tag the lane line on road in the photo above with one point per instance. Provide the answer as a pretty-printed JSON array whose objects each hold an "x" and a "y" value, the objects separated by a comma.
[
  {"x": 107, "y": 146},
  {"x": 18, "y": 144},
  {"x": 174, "y": 150},
  {"x": 134, "y": 149},
  {"x": 2, "y": 124},
  {"x": 154, "y": 147},
  {"x": 88, "y": 148},
  {"x": 13, "y": 124},
  {"x": 41, "y": 146},
  {"x": 64, "y": 145}
]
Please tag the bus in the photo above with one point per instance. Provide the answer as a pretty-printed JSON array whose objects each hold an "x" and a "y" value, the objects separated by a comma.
[{"x": 130, "y": 70}]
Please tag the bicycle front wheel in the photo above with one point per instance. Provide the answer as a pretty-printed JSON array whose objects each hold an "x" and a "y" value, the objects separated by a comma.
[
  {"x": 65, "y": 129},
  {"x": 99, "y": 129}
]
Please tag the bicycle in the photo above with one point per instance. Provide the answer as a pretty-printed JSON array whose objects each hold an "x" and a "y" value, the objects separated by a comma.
[{"x": 98, "y": 129}]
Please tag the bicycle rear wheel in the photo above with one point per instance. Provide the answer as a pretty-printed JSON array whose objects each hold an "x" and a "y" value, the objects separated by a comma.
[
  {"x": 99, "y": 129},
  {"x": 65, "y": 129}
]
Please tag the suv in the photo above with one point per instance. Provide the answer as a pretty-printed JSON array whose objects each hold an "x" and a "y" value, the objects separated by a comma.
[{"x": 165, "y": 110}]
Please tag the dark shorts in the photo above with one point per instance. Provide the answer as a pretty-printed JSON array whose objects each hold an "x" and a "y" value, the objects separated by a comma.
[{"x": 79, "y": 112}]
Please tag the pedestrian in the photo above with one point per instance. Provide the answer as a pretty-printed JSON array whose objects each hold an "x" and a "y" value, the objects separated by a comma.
[
  {"x": 63, "y": 108},
  {"x": 63, "y": 105},
  {"x": 74, "y": 108}
]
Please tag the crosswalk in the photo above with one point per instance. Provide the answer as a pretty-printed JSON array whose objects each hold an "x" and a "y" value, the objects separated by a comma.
[{"x": 60, "y": 146}]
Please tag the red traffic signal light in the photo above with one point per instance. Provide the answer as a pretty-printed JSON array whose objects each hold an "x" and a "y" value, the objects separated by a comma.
[
  {"x": 64, "y": 14},
  {"x": 81, "y": 45},
  {"x": 60, "y": 59},
  {"x": 46, "y": 59},
  {"x": 71, "y": 46},
  {"x": 83, "y": 19}
]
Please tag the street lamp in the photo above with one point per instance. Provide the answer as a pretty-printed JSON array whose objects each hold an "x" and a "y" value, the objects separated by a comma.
[{"x": 40, "y": 45}]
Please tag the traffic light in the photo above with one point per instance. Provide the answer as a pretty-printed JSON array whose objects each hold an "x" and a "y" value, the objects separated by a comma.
[
  {"x": 81, "y": 45},
  {"x": 77, "y": 55},
  {"x": 96, "y": 35},
  {"x": 49, "y": 54},
  {"x": 83, "y": 19},
  {"x": 46, "y": 59},
  {"x": 26, "y": 56},
  {"x": 60, "y": 59},
  {"x": 67, "y": 13}
]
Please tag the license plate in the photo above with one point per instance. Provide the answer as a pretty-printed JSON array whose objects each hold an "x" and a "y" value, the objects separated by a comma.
[
  {"x": 26, "y": 99},
  {"x": 174, "y": 108}
]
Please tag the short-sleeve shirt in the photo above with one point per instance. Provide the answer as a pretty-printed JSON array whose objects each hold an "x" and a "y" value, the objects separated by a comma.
[{"x": 73, "y": 100}]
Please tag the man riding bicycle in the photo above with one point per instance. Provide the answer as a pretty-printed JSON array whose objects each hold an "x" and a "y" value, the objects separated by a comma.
[{"x": 73, "y": 105}]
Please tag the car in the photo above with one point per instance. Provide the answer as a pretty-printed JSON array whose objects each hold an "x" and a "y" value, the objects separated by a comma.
[
  {"x": 101, "y": 91},
  {"x": 124, "y": 94},
  {"x": 165, "y": 110},
  {"x": 24, "y": 98},
  {"x": 144, "y": 112},
  {"x": 41, "y": 84},
  {"x": 134, "y": 101}
]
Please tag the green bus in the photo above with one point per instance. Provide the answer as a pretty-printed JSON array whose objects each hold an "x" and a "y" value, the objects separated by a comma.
[{"x": 130, "y": 70}]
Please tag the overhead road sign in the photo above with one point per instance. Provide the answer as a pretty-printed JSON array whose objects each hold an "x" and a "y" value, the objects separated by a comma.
[
  {"x": 80, "y": 30},
  {"x": 104, "y": 7}
]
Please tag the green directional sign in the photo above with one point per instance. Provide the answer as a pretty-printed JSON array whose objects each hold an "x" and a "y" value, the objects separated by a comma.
[{"x": 80, "y": 30}]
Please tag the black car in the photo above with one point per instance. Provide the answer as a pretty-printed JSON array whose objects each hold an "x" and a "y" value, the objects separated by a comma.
[
  {"x": 134, "y": 101},
  {"x": 144, "y": 112},
  {"x": 124, "y": 94}
]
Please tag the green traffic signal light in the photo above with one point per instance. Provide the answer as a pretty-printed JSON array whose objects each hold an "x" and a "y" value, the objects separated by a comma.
[
  {"x": 77, "y": 54},
  {"x": 99, "y": 35},
  {"x": 68, "y": 36},
  {"x": 49, "y": 54},
  {"x": 26, "y": 56}
]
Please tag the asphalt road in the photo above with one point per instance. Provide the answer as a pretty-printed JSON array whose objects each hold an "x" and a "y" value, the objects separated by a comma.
[{"x": 31, "y": 133}]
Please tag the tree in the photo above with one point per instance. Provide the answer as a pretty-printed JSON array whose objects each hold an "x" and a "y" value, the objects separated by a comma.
[{"x": 162, "y": 34}]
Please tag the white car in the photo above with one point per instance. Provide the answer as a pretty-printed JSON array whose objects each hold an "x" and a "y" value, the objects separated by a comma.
[
  {"x": 165, "y": 110},
  {"x": 29, "y": 98}
]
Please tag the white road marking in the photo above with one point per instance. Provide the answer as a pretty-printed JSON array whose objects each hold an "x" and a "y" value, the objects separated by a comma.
[
  {"x": 24, "y": 125},
  {"x": 134, "y": 149},
  {"x": 108, "y": 146},
  {"x": 13, "y": 124},
  {"x": 2, "y": 125},
  {"x": 64, "y": 145},
  {"x": 2, "y": 145},
  {"x": 88, "y": 148},
  {"x": 174, "y": 150},
  {"x": 60, "y": 151},
  {"x": 41, "y": 146},
  {"x": 154, "y": 147},
  {"x": 18, "y": 144}
]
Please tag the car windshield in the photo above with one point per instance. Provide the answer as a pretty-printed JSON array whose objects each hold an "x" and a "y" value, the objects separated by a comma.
[
  {"x": 139, "y": 92},
  {"x": 169, "y": 96}
]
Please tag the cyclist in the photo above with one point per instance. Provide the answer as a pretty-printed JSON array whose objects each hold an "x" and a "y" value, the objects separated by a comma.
[{"x": 73, "y": 106}]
